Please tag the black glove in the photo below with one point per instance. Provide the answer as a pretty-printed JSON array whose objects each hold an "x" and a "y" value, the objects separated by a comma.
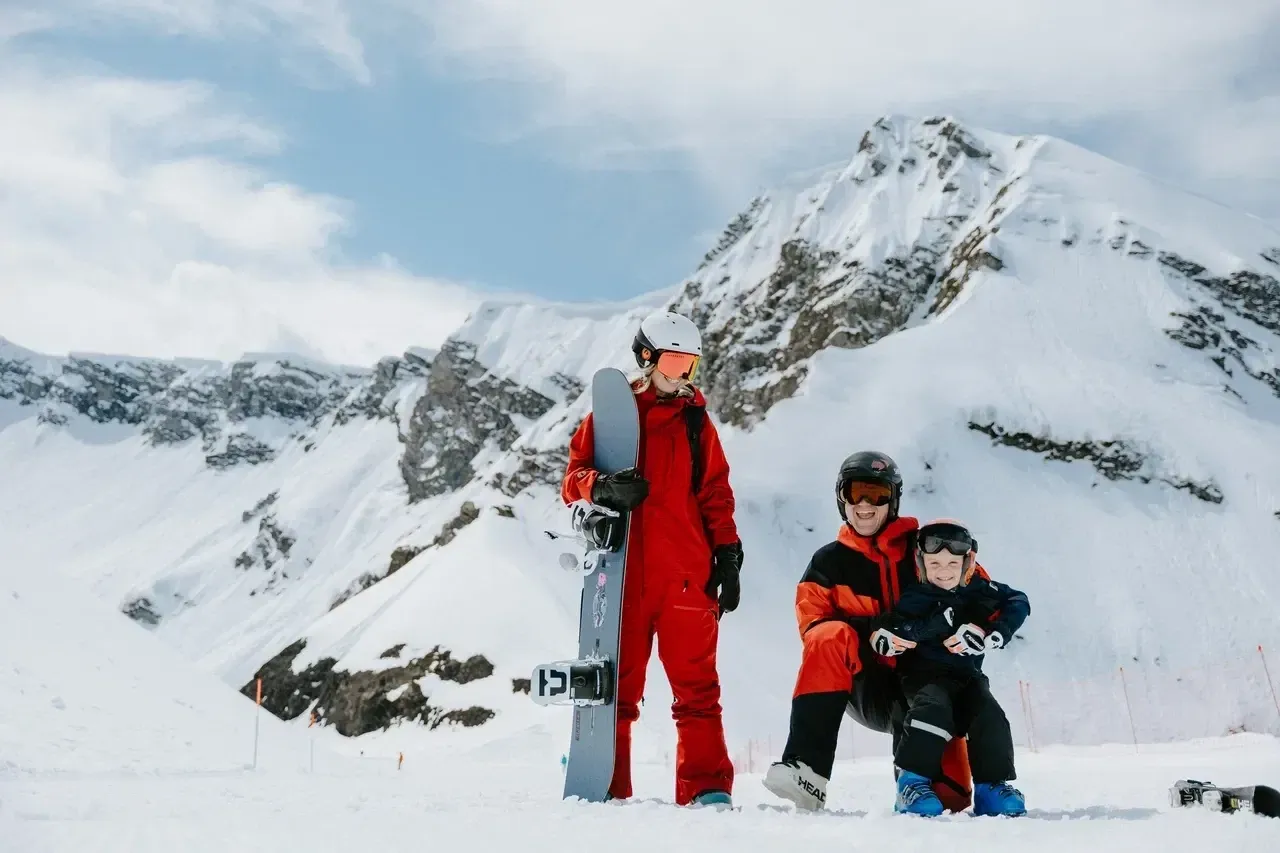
[
  {"x": 726, "y": 562},
  {"x": 622, "y": 491}
]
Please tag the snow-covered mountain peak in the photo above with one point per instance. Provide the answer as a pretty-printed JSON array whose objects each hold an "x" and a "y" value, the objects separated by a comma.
[{"x": 894, "y": 236}]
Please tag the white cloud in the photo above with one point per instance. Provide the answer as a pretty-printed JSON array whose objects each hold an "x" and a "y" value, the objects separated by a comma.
[
  {"x": 745, "y": 89},
  {"x": 230, "y": 206},
  {"x": 131, "y": 221},
  {"x": 737, "y": 85},
  {"x": 307, "y": 26},
  {"x": 135, "y": 215},
  {"x": 15, "y": 22}
]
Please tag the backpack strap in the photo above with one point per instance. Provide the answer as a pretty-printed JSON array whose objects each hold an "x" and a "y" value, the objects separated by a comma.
[{"x": 694, "y": 418}]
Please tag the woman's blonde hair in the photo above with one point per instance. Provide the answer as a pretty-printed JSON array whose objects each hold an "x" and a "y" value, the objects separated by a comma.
[{"x": 641, "y": 382}]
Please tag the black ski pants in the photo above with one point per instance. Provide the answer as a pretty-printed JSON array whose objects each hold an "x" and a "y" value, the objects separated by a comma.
[
  {"x": 944, "y": 705},
  {"x": 876, "y": 702}
]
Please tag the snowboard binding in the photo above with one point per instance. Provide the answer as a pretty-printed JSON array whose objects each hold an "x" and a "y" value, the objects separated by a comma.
[
  {"x": 1259, "y": 799},
  {"x": 598, "y": 529},
  {"x": 573, "y": 682}
]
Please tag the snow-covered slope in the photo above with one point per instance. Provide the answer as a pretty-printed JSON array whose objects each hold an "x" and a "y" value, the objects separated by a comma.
[
  {"x": 1079, "y": 361},
  {"x": 1081, "y": 798},
  {"x": 84, "y": 692},
  {"x": 358, "y": 486}
]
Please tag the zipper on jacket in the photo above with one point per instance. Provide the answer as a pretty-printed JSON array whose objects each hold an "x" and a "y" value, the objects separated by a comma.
[{"x": 884, "y": 574}]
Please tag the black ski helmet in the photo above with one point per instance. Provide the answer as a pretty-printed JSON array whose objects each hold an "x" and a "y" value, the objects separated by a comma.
[{"x": 869, "y": 466}]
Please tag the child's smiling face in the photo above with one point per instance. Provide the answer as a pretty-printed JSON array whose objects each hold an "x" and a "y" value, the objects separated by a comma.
[{"x": 943, "y": 569}]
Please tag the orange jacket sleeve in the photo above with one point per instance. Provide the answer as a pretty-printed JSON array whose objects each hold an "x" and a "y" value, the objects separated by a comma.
[
  {"x": 579, "y": 476},
  {"x": 715, "y": 495},
  {"x": 824, "y": 594},
  {"x": 814, "y": 603}
]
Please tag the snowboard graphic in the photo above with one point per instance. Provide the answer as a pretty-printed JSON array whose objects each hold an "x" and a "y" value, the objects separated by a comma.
[{"x": 588, "y": 681}]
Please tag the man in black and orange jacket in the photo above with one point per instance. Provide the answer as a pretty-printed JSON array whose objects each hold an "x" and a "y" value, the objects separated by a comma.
[{"x": 847, "y": 584}]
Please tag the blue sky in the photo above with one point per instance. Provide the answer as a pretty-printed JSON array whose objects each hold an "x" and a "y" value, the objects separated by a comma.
[
  {"x": 349, "y": 177},
  {"x": 432, "y": 185}
]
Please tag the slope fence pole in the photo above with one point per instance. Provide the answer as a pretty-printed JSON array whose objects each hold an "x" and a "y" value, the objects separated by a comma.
[
  {"x": 1024, "y": 690},
  {"x": 1129, "y": 707},
  {"x": 1270, "y": 683}
]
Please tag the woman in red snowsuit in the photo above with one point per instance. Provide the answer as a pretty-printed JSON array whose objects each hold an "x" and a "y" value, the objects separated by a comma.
[{"x": 683, "y": 558}]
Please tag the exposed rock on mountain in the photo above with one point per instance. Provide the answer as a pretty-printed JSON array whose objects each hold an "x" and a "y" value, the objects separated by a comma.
[
  {"x": 833, "y": 278},
  {"x": 359, "y": 702},
  {"x": 175, "y": 402},
  {"x": 1115, "y": 459},
  {"x": 465, "y": 408}
]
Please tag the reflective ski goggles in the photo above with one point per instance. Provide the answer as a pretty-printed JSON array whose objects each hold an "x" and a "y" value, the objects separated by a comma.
[
  {"x": 932, "y": 538},
  {"x": 876, "y": 494},
  {"x": 678, "y": 365}
]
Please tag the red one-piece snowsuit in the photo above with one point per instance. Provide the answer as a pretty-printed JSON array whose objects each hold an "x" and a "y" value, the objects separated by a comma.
[{"x": 669, "y": 552}]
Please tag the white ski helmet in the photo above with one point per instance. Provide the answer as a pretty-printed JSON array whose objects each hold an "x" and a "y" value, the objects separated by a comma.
[{"x": 664, "y": 331}]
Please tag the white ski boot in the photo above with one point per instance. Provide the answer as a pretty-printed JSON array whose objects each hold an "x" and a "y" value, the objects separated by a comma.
[{"x": 797, "y": 782}]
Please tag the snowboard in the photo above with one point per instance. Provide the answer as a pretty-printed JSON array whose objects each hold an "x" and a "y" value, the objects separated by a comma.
[
  {"x": 1260, "y": 799},
  {"x": 588, "y": 681}
]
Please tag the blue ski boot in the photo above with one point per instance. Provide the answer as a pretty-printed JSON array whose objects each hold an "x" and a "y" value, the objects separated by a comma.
[
  {"x": 999, "y": 798},
  {"x": 715, "y": 799},
  {"x": 916, "y": 796}
]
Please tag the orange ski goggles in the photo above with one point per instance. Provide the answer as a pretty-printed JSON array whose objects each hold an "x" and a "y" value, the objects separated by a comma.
[
  {"x": 678, "y": 365},
  {"x": 876, "y": 494}
]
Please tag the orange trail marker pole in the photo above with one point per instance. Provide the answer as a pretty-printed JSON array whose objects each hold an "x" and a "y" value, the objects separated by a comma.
[
  {"x": 400, "y": 761},
  {"x": 257, "y": 715},
  {"x": 311, "y": 747}
]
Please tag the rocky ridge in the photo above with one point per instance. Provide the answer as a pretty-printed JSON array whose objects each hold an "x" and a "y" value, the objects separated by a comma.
[
  {"x": 793, "y": 275},
  {"x": 174, "y": 402},
  {"x": 800, "y": 271}
]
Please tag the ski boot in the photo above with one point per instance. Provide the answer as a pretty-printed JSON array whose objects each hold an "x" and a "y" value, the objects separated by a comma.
[
  {"x": 916, "y": 796},
  {"x": 998, "y": 798},
  {"x": 797, "y": 782},
  {"x": 715, "y": 799}
]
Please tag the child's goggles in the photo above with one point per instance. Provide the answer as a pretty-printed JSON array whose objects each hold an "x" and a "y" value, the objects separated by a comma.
[{"x": 932, "y": 538}]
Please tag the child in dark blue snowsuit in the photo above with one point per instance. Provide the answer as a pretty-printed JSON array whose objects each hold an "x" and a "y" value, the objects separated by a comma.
[{"x": 948, "y": 621}]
